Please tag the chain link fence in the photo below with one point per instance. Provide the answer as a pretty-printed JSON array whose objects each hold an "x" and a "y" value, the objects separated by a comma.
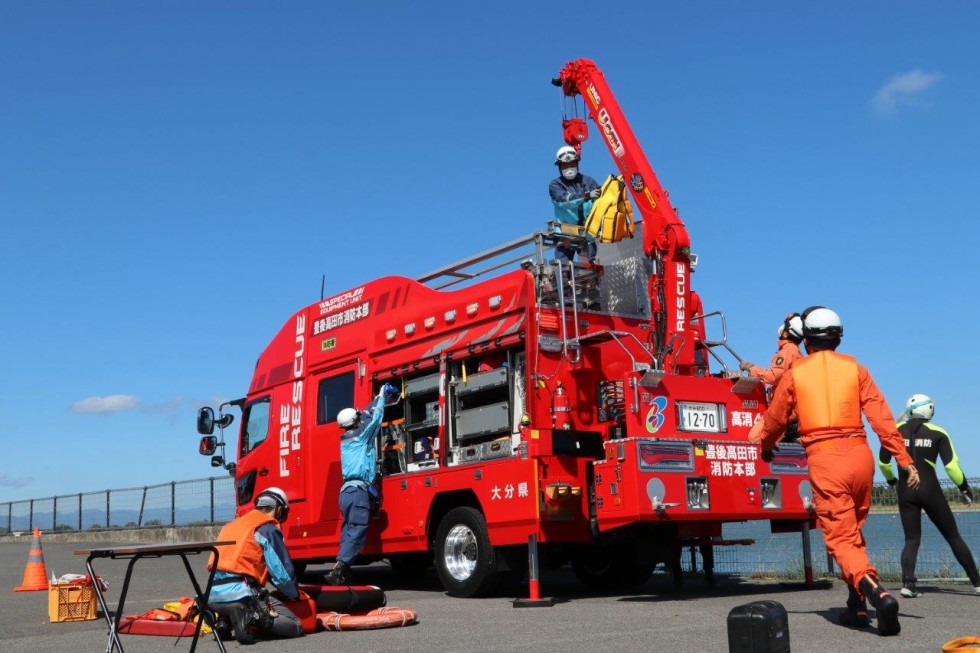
[{"x": 781, "y": 555}]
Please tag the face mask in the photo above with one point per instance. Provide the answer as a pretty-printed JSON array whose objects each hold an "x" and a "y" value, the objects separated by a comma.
[{"x": 569, "y": 173}]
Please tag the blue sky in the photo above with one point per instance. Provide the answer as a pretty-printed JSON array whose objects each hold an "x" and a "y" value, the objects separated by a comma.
[{"x": 175, "y": 178}]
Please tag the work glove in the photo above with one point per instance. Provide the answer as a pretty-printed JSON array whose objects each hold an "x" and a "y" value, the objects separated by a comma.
[
  {"x": 745, "y": 366},
  {"x": 893, "y": 482},
  {"x": 966, "y": 494},
  {"x": 387, "y": 389},
  {"x": 767, "y": 454},
  {"x": 593, "y": 194}
]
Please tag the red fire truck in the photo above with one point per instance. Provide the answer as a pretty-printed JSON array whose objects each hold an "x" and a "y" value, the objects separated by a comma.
[{"x": 579, "y": 408}]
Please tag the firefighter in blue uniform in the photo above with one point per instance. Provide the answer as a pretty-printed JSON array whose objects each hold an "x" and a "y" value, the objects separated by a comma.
[
  {"x": 572, "y": 194},
  {"x": 258, "y": 555},
  {"x": 358, "y": 462}
]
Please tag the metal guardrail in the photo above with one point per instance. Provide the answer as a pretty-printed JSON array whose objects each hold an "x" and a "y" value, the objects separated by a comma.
[{"x": 197, "y": 502}]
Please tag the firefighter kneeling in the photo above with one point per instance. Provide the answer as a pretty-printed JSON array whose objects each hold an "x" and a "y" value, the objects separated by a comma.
[{"x": 245, "y": 608}]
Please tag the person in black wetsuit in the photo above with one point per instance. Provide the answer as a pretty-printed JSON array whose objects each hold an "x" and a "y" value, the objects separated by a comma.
[{"x": 925, "y": 442}]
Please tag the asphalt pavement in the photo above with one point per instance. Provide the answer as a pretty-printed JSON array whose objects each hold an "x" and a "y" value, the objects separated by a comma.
[{"x": 655, "y": 617}]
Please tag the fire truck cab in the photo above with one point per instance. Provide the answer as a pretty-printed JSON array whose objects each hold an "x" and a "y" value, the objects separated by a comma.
[{"x": 579, "y": 405}]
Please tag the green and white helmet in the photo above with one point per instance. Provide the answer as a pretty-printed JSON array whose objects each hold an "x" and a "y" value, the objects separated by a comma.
[{"x": 920, "y": 406}]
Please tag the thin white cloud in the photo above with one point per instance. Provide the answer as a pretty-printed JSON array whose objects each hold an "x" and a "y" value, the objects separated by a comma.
[
  {"x": 7, "y": 481},
  {"x": 903, "y": 89},
  {"x": 170, "y": 406},
  {"x": 105, "y": 405}
]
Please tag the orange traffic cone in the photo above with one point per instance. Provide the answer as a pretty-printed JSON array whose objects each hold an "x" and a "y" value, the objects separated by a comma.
[{"x": 35, "y": 574}]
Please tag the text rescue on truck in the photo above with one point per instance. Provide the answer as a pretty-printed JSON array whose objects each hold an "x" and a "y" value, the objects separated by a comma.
[{"x": 524, "y": 413}]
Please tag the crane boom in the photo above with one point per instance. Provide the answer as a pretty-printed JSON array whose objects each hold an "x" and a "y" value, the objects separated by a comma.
[{"x": 665, "y": 238}]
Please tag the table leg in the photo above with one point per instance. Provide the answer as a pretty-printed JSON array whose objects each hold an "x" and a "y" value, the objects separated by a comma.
[
  {"x": 202, "y": 601},
  {"x": 113, "y": 635}
]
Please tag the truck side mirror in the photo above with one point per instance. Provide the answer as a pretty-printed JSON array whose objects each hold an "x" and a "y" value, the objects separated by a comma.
[
  {"x": 208, "y": 445},
  {"x": 205, "y": 421},
  {"x": 217, "y": 461}
]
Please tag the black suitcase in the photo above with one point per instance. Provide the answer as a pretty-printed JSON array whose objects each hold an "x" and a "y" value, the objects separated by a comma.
[{"x": 758, "y": 627}]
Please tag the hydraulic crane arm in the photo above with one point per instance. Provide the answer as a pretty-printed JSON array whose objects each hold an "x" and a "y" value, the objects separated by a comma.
[{"x": 665, "y": 238}]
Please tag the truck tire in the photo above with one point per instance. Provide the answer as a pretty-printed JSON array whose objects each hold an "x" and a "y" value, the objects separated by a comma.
[
  {"x": 465, "y": 559},
  {"x": 609, "y": 568}
]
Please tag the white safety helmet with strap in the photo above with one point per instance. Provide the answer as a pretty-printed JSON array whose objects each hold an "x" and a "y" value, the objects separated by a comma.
[
  {"x": 346, "y": 418},
  {"x": 273, "y": 497},
  {"x": 920, "y": 406},
  {"x": 792, "y": 327},
  {"x": 566, "y": 154},
  {"x": 821, "y": 323}
]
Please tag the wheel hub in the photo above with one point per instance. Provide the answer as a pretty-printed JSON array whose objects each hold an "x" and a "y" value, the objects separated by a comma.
[{"x": 461, "y": 552}]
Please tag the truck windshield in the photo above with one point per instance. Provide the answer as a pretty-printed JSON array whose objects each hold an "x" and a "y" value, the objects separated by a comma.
[{"x": 255, "y": 425}]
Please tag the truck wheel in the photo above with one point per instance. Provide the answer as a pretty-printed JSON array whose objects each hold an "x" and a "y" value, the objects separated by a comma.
[
  {"x": 609, "y": 569},
  {"x": 465, "y": 560}
]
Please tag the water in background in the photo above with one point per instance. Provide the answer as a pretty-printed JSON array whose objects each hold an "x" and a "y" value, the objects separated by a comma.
[{"x": 781, "y": 554}]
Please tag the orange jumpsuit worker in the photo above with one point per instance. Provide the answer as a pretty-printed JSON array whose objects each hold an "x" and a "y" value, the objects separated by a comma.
[
  {"x": 790, "y": 334},
  {"x": 829, "y": 391}
]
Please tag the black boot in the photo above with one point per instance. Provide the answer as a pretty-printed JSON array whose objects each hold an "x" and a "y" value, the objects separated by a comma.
[
  {"x": 242, "y": 623},
  {"x": 339, "y": 575},
  {"x": 856, "y": 614},
  {"x": 885, "y": 604},
  {"x": 222, "y": 626}
]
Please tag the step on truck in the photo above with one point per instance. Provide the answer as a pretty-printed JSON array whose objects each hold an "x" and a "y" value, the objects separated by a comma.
[{"x": 576, "y": 409}]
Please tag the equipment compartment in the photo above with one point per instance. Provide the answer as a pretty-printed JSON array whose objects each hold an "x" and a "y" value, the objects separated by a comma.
[
  {"x": 485, "y": 420},
  {"x": 483, "y": 381},
  {"x": 421, "y": 385}
]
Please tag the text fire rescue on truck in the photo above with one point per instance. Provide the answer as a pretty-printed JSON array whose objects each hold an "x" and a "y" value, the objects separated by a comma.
[{"x": 581, "y": 404}]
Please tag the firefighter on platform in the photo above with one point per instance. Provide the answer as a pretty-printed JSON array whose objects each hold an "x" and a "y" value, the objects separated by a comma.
[
  {"x": 358, "y": 462},
  {"x": 258, "y": 555},
  {"x": 572, "y": 194},
  {"x": 925, "y": 443},
  {"x": 829, "y": 392},
  {"x": 789, "y": 336}
]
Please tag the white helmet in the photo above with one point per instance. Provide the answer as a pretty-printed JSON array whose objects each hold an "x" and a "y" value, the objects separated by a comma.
[
  {"x": 346, "y": 418},
  {"x": 792, "y": 326},
  {"x": 920, "y": 406},
  {"x": 272, "y": 497},
  {"x": 821, "y": 323},
  {"x": 566, "y": 154}
]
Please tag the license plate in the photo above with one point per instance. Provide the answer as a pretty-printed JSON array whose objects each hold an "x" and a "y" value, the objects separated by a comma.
[{"x": 706, "y": 418}]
